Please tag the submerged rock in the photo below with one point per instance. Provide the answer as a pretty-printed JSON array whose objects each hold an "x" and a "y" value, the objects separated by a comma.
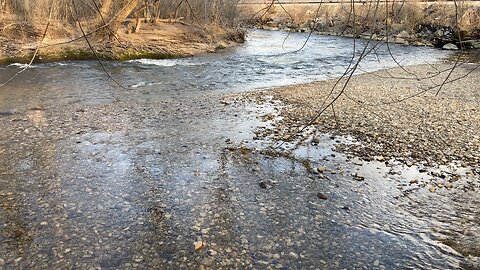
[
  {"x": 267, "y": 184},
  {"x": 322, "y": 196}
]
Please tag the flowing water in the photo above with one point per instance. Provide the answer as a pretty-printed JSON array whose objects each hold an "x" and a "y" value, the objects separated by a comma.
[{"x": 93, "y": 176}]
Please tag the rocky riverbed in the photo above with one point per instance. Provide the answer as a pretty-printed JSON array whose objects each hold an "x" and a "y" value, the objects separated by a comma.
[
  {"x": 391, "y": 126},
  {"x": 401, "y": 113},
  {"x": 178, "y": 171}
]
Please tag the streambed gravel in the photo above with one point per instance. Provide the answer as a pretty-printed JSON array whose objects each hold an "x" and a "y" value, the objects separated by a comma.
[
  {"x": 165, "y": 176},
  {"x": 393, "y": 113}
]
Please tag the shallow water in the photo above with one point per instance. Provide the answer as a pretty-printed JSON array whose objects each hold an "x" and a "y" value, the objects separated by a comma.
[{"x": 95, "y": 176}]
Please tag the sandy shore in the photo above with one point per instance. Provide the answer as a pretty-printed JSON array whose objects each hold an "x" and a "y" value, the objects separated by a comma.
[{"x": 392, "y": 113}]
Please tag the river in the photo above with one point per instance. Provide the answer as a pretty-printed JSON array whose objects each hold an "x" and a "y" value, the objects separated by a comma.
[{"x": 93, "y": 176}]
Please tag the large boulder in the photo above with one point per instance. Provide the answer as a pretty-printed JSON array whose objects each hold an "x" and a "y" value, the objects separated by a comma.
[
  {"x": 450, "y": 46},
  {"x": 471, "y": 44}
]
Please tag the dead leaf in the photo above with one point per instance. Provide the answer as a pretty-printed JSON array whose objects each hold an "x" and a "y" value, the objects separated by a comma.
[{"x": 199, "y": 245}]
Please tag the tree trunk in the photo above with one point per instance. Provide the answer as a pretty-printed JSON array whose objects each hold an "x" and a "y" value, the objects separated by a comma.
[
  {"x": 118, "y": 18},
  {"x": 106, "y": 8}
]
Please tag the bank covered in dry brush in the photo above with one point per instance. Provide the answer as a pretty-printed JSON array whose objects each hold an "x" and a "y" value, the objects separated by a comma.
[{"x": 115, "y": 29}]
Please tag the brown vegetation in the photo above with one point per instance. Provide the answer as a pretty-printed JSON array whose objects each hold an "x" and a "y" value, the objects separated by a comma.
[{"x": 116, "y": 29}]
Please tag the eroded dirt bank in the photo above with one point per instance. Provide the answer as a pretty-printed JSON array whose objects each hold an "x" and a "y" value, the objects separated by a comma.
[{"x": 19, "y": 41}]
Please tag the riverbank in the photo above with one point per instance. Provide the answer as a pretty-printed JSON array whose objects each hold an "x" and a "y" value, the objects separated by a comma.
[
  {"x": 393, "y": 114},
  {"x": 155, "y": 40},
  {"x": 419, "y": 23}
]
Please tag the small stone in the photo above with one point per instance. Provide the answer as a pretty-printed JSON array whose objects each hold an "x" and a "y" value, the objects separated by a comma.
[
  {"x": 208, "y": 261},
  {"x": 358, "y": 177},
  {"x": 376, "y": 263},
  {"x": 293, "y": 255},
  {"x": 267, "y": 184},
  {"x": 403, "y": 34},
  {"x": 438, "y": 33},
  {"x": 321, "y": 169},
  {"x": 43, "y": 223},
  {"x": 67, "y": 250},
  {"x": 448, "y": 185},
  {"x": 380, "y": 158},
  {"x": 358, "y": 162},
  {"x": 138, "y": 258},
  {"x": 263, "y": 262},
  {"x": 413, "y": 181},
  {"x": 432, "y": 189},
  {"x": 212, "y": 252},
  {"x": 322, "y": 196}
]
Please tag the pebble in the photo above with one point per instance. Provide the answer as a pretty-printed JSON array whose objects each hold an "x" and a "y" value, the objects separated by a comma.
[
  {"x": 138, "y": 258},
  {"x": 376, "y": 263},
  {"x": 358, "y": 177},
  {"x": 267, "y": 184},
  {"x": 322, "y": 196},
  {"x": 293, "y": 255}
]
